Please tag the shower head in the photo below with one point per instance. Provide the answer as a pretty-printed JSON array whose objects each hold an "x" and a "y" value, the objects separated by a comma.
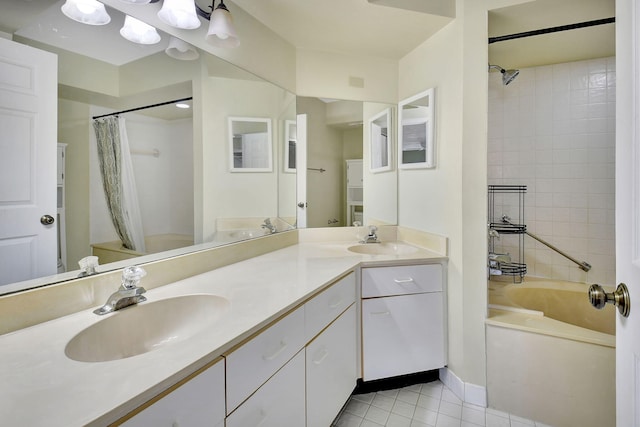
[{"x": 507, "y": 75}]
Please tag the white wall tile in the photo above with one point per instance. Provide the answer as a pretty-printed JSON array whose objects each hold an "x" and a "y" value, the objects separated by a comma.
[{"x": 554, "y": 128}]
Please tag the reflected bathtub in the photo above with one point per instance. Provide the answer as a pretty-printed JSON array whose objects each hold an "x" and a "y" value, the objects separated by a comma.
[
  {"x": 550, "y": 355},
  {"x": 114, "y": 251}
]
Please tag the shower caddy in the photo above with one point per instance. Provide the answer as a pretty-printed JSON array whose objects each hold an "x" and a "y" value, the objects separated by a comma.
[{"x": 507, "y": 223}]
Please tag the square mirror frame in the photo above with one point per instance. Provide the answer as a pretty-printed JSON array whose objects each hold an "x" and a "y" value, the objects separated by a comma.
[
  {"x": 418, "y": 112},
  {"x": 380, "y": 145},
  {"x": 264, "y": 146}
]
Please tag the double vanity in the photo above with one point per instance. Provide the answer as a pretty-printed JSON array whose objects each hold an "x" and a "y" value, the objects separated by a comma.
[{"x": 276, "y": 339}]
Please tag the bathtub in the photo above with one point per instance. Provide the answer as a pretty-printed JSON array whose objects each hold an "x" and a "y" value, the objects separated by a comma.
[
  {"x": 550, "y": 355},
  {"x": 114, "y": 251}
]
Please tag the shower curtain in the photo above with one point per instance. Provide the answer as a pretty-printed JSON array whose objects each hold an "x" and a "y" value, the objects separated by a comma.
[{"x": 118, "y": 181}]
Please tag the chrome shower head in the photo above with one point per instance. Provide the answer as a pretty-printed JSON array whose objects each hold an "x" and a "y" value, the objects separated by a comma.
[{"x": 507, "y": 75}]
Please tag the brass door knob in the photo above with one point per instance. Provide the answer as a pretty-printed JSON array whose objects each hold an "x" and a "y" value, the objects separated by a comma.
[{"x": 620, "y": 298}]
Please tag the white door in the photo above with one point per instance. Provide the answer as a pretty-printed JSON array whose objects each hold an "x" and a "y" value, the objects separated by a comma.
[
  {"x": 301, "y": 171},
  {"x": 628, "y": 209},
  {"x": 28, "y": 135}
]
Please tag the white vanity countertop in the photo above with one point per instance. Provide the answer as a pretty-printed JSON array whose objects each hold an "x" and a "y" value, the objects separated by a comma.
[{"x": 40, "y": 385}]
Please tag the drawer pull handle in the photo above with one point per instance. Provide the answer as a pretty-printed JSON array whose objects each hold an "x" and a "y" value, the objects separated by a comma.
[
  {"x": 380, "y": 313},
  {"x": 336, "y": 304},
  {"x": 325, "y": 353},
  {"x": 409, "y": 280},
  {"x": 283, "y": 345}
]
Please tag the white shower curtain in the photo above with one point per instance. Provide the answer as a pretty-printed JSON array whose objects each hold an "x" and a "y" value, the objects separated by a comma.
[{"x": 118, "y": 181}]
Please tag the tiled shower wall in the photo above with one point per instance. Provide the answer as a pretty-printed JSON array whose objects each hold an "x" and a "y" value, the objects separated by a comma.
[{"x": 553, "y": 130}]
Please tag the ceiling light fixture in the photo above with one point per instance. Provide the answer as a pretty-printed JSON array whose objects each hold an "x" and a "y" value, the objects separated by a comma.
[
  {"x": 139, "y": 32},
  {"x": 221, "y": 30},
  {"x": 90, "y": 12},
  {"x": 182, "y": 14},
  {"x": 179, "y": 14},
  {"x": 179, "y": 49}
]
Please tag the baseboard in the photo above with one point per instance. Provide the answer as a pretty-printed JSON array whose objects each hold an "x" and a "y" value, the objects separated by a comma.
[
  {"x": 467, "y": 392},
  {"x": 363, "y": 387}
]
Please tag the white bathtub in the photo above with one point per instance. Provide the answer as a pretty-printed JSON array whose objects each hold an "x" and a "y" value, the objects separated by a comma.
[
  {"x": 550, "y": 355},
  {"x": 114, "y": 251}
]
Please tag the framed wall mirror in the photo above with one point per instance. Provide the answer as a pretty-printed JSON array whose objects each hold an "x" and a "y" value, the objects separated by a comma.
[
  {"x": 380, "y": 141},
  {"x": 416, "y": 136},
  {"x": 290, "y": 146},
  {"x": 250, "y": 145}
]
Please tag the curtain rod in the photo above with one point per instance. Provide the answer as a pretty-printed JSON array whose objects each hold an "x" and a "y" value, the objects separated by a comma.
[
  {"x": 552, "y": 30},
  {"x": 143, "y": 108}
]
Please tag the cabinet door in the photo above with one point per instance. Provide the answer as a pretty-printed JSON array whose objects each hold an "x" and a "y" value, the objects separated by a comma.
[
  {"x": 278, "y": 403},
  {"x": 197, "y": 403},
  {"x": 402, "y": 335},
  {"x": 331, "y": 369},
  {"x": 251, "y": 365}
]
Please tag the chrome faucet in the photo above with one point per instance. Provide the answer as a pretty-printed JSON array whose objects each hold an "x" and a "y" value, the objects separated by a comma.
[
  {"x": 129, "y": 292},
  {"x": 267, "y": 225},
  {"x": 372, "y": 237}
]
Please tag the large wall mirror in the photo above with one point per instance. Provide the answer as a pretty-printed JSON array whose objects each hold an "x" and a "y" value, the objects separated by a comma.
[{"x": 189, "y": 198}]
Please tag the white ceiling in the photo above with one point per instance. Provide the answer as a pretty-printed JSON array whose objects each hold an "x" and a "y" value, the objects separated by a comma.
[{"x": 349, "y": 27}]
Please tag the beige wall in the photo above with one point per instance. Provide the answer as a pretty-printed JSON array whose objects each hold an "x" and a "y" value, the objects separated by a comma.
[
  {"x": 451, "y": 199},
  {"x": 330, "y": 75},
  {"x": 352, "y": 143},
  {"x": 74, "y": 130}
]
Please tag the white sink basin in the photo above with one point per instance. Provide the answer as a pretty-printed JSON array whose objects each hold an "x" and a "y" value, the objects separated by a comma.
[
  {"x": 388, "y": 248},
  {"x": 145, "y": 327}
]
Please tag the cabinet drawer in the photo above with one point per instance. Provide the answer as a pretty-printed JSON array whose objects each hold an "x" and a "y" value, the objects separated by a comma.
[
  {"x": 402, "y": 335},
  {"x": 279, "y": 402},
  {"x": 328, "y": 305},
  {"x": 401, "y": 280},
  {"x": 251, "y": 365},
  {"x": 331, "y": 369},
  {"x": 199, "y": 402}
]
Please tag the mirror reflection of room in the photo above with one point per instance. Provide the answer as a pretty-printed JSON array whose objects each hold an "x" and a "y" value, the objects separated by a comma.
[
  {"x": 178, "y": 156},
  {"x": 334, "y": 140}
]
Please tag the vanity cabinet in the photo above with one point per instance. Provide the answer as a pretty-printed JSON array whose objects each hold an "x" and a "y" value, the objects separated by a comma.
[
  {"x": 403, "y": 320},
  {"x": 197, "y": 402},
  {"x": 302, "y": 369},
  {"x": 297, "y": 372},
  {"x": 252, "y": 364},
  {"x": 279, "y": 402},
  {"x": 331, "y": 369}
]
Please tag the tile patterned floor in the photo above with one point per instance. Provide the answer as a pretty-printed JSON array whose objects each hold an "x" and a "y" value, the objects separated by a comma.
[{"x": 422, "y": 405}]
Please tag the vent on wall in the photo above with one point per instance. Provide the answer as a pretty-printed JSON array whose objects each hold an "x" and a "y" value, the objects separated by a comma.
[{"x": 356, "y": 82}]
